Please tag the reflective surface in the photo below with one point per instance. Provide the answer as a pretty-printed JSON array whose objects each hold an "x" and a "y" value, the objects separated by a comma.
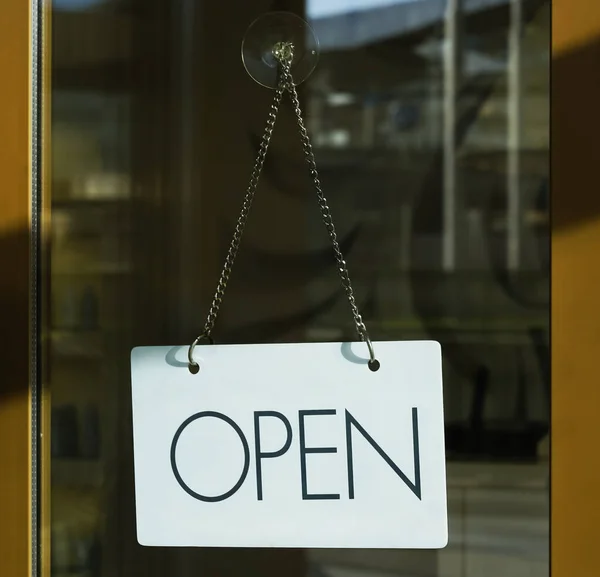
[
  {"x": 282, "y": 32},
  {"x": 430, "y": 127}
]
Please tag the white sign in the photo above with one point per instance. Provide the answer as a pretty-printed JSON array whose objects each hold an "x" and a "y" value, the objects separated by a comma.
[{"x": 290, "y": 445}]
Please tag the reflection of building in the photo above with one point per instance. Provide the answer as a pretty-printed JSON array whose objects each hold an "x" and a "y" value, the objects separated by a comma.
[
  {"x": 377, "y": 115},
  {"x": 378, "y": 108},
  {"x": 151, "y": 160}
]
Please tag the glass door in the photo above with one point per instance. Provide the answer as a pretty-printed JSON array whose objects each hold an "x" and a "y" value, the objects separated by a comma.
[{"x": 430, "y": 126}]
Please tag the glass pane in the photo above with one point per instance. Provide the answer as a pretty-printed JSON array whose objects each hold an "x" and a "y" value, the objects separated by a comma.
[{"x": 429, "y": 121}]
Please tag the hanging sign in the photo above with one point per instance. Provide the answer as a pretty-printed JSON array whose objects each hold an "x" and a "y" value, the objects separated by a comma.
[{"x": 290, "y": 445}]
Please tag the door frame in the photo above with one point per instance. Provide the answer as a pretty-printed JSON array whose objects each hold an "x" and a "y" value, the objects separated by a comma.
[
  {"x": 23, "y": 420},
  {"x": 575, "y": 121}
]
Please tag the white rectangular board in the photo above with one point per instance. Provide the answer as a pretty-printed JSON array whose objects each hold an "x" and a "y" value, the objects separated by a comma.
[{"x": 290, "y": 445}]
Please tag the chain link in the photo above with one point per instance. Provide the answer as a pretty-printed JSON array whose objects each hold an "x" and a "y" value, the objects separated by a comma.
[
  {"x": 285, "y": 83},
  {"x": 361, "y": 329},
  {"x": 244, "y": 213}
]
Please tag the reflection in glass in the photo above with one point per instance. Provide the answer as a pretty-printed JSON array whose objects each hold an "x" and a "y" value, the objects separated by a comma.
[{"x": 430, "y": 127}]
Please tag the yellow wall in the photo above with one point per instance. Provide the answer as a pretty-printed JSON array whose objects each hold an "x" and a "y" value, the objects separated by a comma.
[
  {"x": 14, "y": 283},
  {"x": 575, "y": 287}
]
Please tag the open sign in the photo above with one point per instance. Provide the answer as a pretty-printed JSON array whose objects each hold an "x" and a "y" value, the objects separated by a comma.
[{"x": 290, "y": 446}]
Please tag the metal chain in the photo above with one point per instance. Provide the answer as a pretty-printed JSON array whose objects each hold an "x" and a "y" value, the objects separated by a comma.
[
  {"x": 285, "y": 83},
  {"x": 245, "y": 211},
  {"x": 361, "y": 329}
]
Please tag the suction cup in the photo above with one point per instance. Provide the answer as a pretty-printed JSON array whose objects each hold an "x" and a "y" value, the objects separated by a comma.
[{"x": 281, "y": 32}]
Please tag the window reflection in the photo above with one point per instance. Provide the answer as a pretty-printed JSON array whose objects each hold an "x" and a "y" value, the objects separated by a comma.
[
  {"x": 384, "y": 119},
  {"x": 430, "y": 126}
]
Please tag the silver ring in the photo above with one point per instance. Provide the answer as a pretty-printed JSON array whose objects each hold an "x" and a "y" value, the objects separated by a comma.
[
  {"x": 371, "y": 349},
  {"x": 203, "y": 335}
]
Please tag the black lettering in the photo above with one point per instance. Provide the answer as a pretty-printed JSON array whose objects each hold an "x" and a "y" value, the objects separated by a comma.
[
  {"x": 306, "y": 496},
  {"x": 414, "y": 487},
  {"x": 259, "y": 454},
  {"x": 240, "y": 433}
]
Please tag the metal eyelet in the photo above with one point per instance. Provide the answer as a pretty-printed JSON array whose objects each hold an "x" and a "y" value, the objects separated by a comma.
[
  {"x": 373, "y": 363},
  {"x": 193, "y": 366}
]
